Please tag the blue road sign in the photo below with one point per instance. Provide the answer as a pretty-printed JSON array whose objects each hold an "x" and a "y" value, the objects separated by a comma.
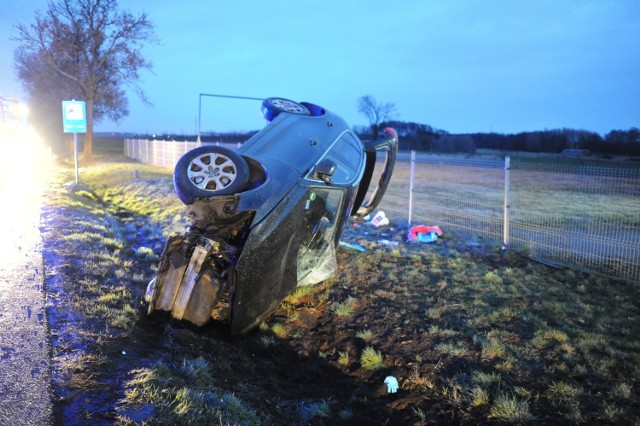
[{"x": 74, "y": 117}]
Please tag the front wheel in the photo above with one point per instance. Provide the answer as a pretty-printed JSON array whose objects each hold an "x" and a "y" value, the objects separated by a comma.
[
  {"x": 272, "y": 107},
  {"x": 209, "y": 171}
]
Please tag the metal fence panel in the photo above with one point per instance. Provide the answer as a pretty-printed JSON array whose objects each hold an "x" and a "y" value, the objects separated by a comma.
[
  {"x": 578, "y": 214},
  {"x": 566, "y": 214}
]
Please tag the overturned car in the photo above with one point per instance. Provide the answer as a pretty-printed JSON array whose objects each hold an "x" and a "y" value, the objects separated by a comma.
[{"x": 266, "y": 217}]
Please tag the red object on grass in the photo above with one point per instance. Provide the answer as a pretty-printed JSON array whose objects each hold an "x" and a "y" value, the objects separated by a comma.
[{"x": 422, "y": 229}]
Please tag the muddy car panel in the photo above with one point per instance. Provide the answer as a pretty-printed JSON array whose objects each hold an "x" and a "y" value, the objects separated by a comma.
[{"x": 282, "y": 249}]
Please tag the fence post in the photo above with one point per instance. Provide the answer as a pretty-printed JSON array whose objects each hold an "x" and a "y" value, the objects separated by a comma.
[
  {"x": 505, "y": 231},
  {"x": 411, "y": 177}
]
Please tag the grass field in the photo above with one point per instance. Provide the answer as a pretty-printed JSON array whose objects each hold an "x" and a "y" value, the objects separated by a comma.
[{"x": 474, "y": 335}]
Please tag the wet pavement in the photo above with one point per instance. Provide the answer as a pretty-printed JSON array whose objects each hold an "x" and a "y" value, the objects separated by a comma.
[{"x": 25, "y": 378}]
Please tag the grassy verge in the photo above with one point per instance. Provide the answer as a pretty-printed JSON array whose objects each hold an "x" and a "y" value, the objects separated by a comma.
[{"x": 473, "y": 335}]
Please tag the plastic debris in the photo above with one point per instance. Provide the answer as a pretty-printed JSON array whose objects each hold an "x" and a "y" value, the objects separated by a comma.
[
  {"x": 422, "y": 229},
  {"x": 392, "y": 384},
  {"x": 388, "y": 242},
  {"x": 427, "y": 238},
  {"x": 380, "y": 219},
  {"x": 352, "y": 246}
]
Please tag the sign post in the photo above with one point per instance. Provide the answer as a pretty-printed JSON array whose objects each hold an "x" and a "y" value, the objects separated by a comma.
[{"x": 74, "y": 120}]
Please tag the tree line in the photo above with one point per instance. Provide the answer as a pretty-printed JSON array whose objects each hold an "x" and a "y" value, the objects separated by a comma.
[
  {"x": 423, "y": 137},
  {"x": 420, "y": 137}
]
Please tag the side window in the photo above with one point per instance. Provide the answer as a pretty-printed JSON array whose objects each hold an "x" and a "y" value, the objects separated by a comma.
[{"x": 347, "y": 155}]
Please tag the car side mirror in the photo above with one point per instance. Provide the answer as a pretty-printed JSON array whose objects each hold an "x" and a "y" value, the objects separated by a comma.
[{"x": 324, "y": 171}]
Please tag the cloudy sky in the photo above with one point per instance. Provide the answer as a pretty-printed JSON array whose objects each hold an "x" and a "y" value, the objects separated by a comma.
[{"x": 462, "y": 66}]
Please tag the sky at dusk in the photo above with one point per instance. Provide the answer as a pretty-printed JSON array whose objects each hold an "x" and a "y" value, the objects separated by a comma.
[{"x": 462, "y": 66}]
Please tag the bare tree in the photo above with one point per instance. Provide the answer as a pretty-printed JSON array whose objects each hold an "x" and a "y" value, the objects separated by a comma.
[
  {"x": 376, "y": 113},
  {"x": 84, "y": 49}
]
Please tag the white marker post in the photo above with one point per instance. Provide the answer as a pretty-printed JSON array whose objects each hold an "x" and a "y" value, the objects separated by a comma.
[{"x": 74, "y": 120}]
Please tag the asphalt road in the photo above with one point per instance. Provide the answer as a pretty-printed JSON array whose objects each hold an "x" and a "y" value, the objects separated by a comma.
[{"x": 25, "y": 377}]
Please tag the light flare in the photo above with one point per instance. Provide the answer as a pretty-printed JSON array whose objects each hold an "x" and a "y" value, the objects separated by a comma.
[{"x": 25, "y": 165}]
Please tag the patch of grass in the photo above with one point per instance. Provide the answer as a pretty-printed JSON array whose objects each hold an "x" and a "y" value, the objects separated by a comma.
[
  {"x": 511, "y": 410},
  {"x": 123, "y": 318},
  {"x": 435, "y": 313},
  {"x": 486, "y": 380},
  {"x": 611, "y": 413},
  {"x": 622, "y": 391},
  {"x": 343, "y": 358},
  {"x": 299, "y": 294},
  {"x": 492, "y": 349},
  {"x": 555, "y": 335},
  {"x": 573, "y": 414},
  {"x": 493, "y": 278},
  {"x": 562, "y": 391},
  {"x": 267, "y": 341},
  {"x": 344, "y": 309},
  {"x": 479, "y": 397},
  {"x": 187, "y": 394},
  {"x": 371, "y": 359},
  {"x": 279, "y": 330},
  {"x": 146, "y": 252},
  {"x": 450, "y": 348},
  {"x": 419, "y": 412},
  {"x": 416, "y": 380},
  {"x": 366, "y": 335}
]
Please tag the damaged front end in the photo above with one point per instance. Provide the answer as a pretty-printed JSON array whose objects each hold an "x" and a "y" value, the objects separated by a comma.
[{"x": 195, "y": 280}]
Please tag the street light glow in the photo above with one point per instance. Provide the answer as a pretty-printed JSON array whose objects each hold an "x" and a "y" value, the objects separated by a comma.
[{"x": 24, "y": 168}]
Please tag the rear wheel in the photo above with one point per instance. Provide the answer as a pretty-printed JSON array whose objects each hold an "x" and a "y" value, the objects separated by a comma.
[
  {"x": 209, "y": 171},
  {"x": 272, "y": 107}
]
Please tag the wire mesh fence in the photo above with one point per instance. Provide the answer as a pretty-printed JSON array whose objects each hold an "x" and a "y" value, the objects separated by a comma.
[
  {"x": 578, "y": 214},
  {"x": 559, "y": 212},
  {"x": 163, "y": 153}
]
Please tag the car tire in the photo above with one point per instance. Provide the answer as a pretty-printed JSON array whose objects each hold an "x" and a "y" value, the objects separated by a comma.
[
  {"x": 272, "y": 107},
  {"x": 209, "y": 171}
]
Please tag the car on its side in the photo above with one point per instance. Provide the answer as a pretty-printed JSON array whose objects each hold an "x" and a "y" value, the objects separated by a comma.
[{"x": 267, "y": 217}]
